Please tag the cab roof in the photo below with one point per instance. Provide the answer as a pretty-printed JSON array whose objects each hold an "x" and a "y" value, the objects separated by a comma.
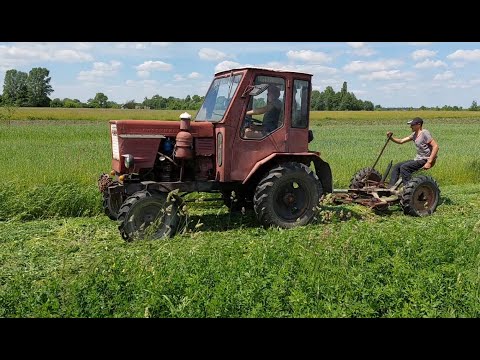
[{"x": 278, "y": 70}]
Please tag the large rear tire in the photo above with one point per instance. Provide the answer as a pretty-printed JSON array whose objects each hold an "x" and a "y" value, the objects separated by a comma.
[
  {"x": 420, "y": 196},
  {"x": 363, "y": 176},
  {"x": 287, "y": 196},
  {"x": 150, "y": 214}
]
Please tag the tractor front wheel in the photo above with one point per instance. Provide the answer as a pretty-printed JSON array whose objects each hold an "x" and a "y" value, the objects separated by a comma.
[
  {"x": 287, "y": 196},
  {"x": 420, "y": 196},
  {"x": 150, "y": 214},
  {"x": 111, "y": 204}
]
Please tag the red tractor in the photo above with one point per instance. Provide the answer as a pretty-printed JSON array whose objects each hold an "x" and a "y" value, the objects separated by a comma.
[{"x": 262, "y": 159}]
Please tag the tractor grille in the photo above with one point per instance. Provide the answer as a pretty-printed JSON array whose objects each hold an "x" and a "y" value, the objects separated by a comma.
[{"x": 204, "y": 146}]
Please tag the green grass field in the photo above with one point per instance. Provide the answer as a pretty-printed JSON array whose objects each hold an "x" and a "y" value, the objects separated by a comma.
[{"x": 61, "y": 257}]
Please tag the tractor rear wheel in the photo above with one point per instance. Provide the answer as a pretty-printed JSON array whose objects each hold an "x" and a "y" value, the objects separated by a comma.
[
  {"x": 361, "y": 178},
  {"x": 420, "y": 196},
  {"x": 149, "y": 214},
  {"x": 287, "y": 196}
]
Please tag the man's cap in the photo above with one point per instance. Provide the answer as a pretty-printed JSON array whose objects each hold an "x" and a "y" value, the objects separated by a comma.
[
  {"x": 415, "y": 121},
  {"x": 274, "y": 90}
]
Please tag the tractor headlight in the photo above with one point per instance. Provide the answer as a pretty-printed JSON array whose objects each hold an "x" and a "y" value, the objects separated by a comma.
[{"x": 129, "y": 161}]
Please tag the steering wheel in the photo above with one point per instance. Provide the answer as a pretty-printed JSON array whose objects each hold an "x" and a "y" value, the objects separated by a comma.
[{"x": 249, "y": 120}]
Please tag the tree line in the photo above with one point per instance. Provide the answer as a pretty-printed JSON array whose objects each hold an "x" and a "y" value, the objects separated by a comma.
[
  {"x": 32, "y": 89},
  {"x": 343, "y": 100}
]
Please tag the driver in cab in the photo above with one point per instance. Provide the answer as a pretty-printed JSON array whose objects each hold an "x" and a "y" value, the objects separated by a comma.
[{"x": 271, "y": 112}]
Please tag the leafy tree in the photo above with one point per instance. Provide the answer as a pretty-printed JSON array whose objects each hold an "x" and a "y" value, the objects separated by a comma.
[
  {"x": 130, "y": 104},
  {"x": 474, "y": 106},
  {"x": 69, "y": 103},
  {"x": 56, "y": 103},
  {"x": 368, "y": 106},
  {"x": 15, "y": 88},
  {"x": 99, "y": 101},
  {"x": 38, "y": 87}
]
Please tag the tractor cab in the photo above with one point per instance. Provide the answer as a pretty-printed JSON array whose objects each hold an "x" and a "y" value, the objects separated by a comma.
[{"x": 257, "y": 112}]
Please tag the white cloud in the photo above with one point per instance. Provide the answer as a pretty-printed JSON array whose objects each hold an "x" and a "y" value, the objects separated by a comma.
[
  {"x": 422, "y": 54},
  {"x": 458, "y": 84},
  {"x": 100, "y": 70},
  {"x": 361, "y": 49},
  {"x": 359, "y": 92},
  {"x": 82, "y": 45},
  {"x": 429, "y": 64},
  {"x": 419, "y": 43},
  {"x": 369, "y": 66},
  {"x": 226, "y": 65},
  {"x": 141, "y": 83},
  {"x": 387, "y": 75},
  {"x": 459, "y": 64},
  {"x": 393, "y": 86},
  {"x": 144, "y": 70},
  {"x": 366, "y": 51},
  {"x": 194, "y": 75},
  {"x": 161, "y": 44},
  {"x": 178, "y": 77},
  {"x": 27, "y": 53},
  {"x": 444, "y": 76},
  {"x": 465, "y": 55},
  {"x": 71, "y": 56},
  {"x": 309, "y": 56},
  {"x": 131, "y": 45},
  {"x": 211, "y": 54},
  {"x": 356, "y": 45}
]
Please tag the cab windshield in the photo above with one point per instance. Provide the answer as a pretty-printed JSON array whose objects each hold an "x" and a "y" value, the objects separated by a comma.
[{"x": 218, "y": 98}]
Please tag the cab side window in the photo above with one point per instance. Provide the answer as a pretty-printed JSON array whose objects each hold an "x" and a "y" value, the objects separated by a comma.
[{"x": 300, "y": 104}]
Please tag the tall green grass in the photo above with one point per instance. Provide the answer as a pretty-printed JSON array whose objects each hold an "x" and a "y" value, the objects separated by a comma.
[
  {"x": 387, "y": 266},
  {"x": 61, "y": 257},
  {"x": 65, "y": 161}
]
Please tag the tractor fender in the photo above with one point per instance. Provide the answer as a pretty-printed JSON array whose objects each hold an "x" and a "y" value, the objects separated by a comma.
[{"x": 322, "y": 168}]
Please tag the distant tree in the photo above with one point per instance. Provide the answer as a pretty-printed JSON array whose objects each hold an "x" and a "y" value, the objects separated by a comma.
[
  {"x": 15, "y": 88},
  {"x": 112, "y": 105},
  {"x": 316, "y": 102},
  {"x": 474, "y": 106},
  {"x": 368, "y": 106},
  {"x": 56, "y": 103},
  {"x": 38, "y": 87},
  {"x": 130, "y": 104},
  {"x": 99, "y": 101},
  {"x": 69, "y": 103}
]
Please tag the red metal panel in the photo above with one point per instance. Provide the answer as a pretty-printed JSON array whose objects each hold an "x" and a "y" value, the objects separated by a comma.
[{"x": 204, "y": 146}]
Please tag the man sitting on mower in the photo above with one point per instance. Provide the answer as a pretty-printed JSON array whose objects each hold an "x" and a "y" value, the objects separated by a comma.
[{"x": 427, "y": 149}]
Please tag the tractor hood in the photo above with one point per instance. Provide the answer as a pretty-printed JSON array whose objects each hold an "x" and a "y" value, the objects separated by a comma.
[
  {"x": 149, "y": 128},
  {"x": 142, "y": 138}
]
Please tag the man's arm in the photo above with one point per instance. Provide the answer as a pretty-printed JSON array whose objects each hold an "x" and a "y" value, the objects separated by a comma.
[
  {"x": 433, "y": 155},
  {"x": 259, "y": 111},
  {"x": 397, "y": 140}
]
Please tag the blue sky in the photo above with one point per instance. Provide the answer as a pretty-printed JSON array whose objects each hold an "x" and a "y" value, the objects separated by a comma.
[{"x": 392, "y": 74}]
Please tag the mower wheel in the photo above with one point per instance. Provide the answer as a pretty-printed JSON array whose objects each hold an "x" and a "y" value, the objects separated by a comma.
[
  {"x": 361, "y": 177},
  {"x": 420, "y": 196}
]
